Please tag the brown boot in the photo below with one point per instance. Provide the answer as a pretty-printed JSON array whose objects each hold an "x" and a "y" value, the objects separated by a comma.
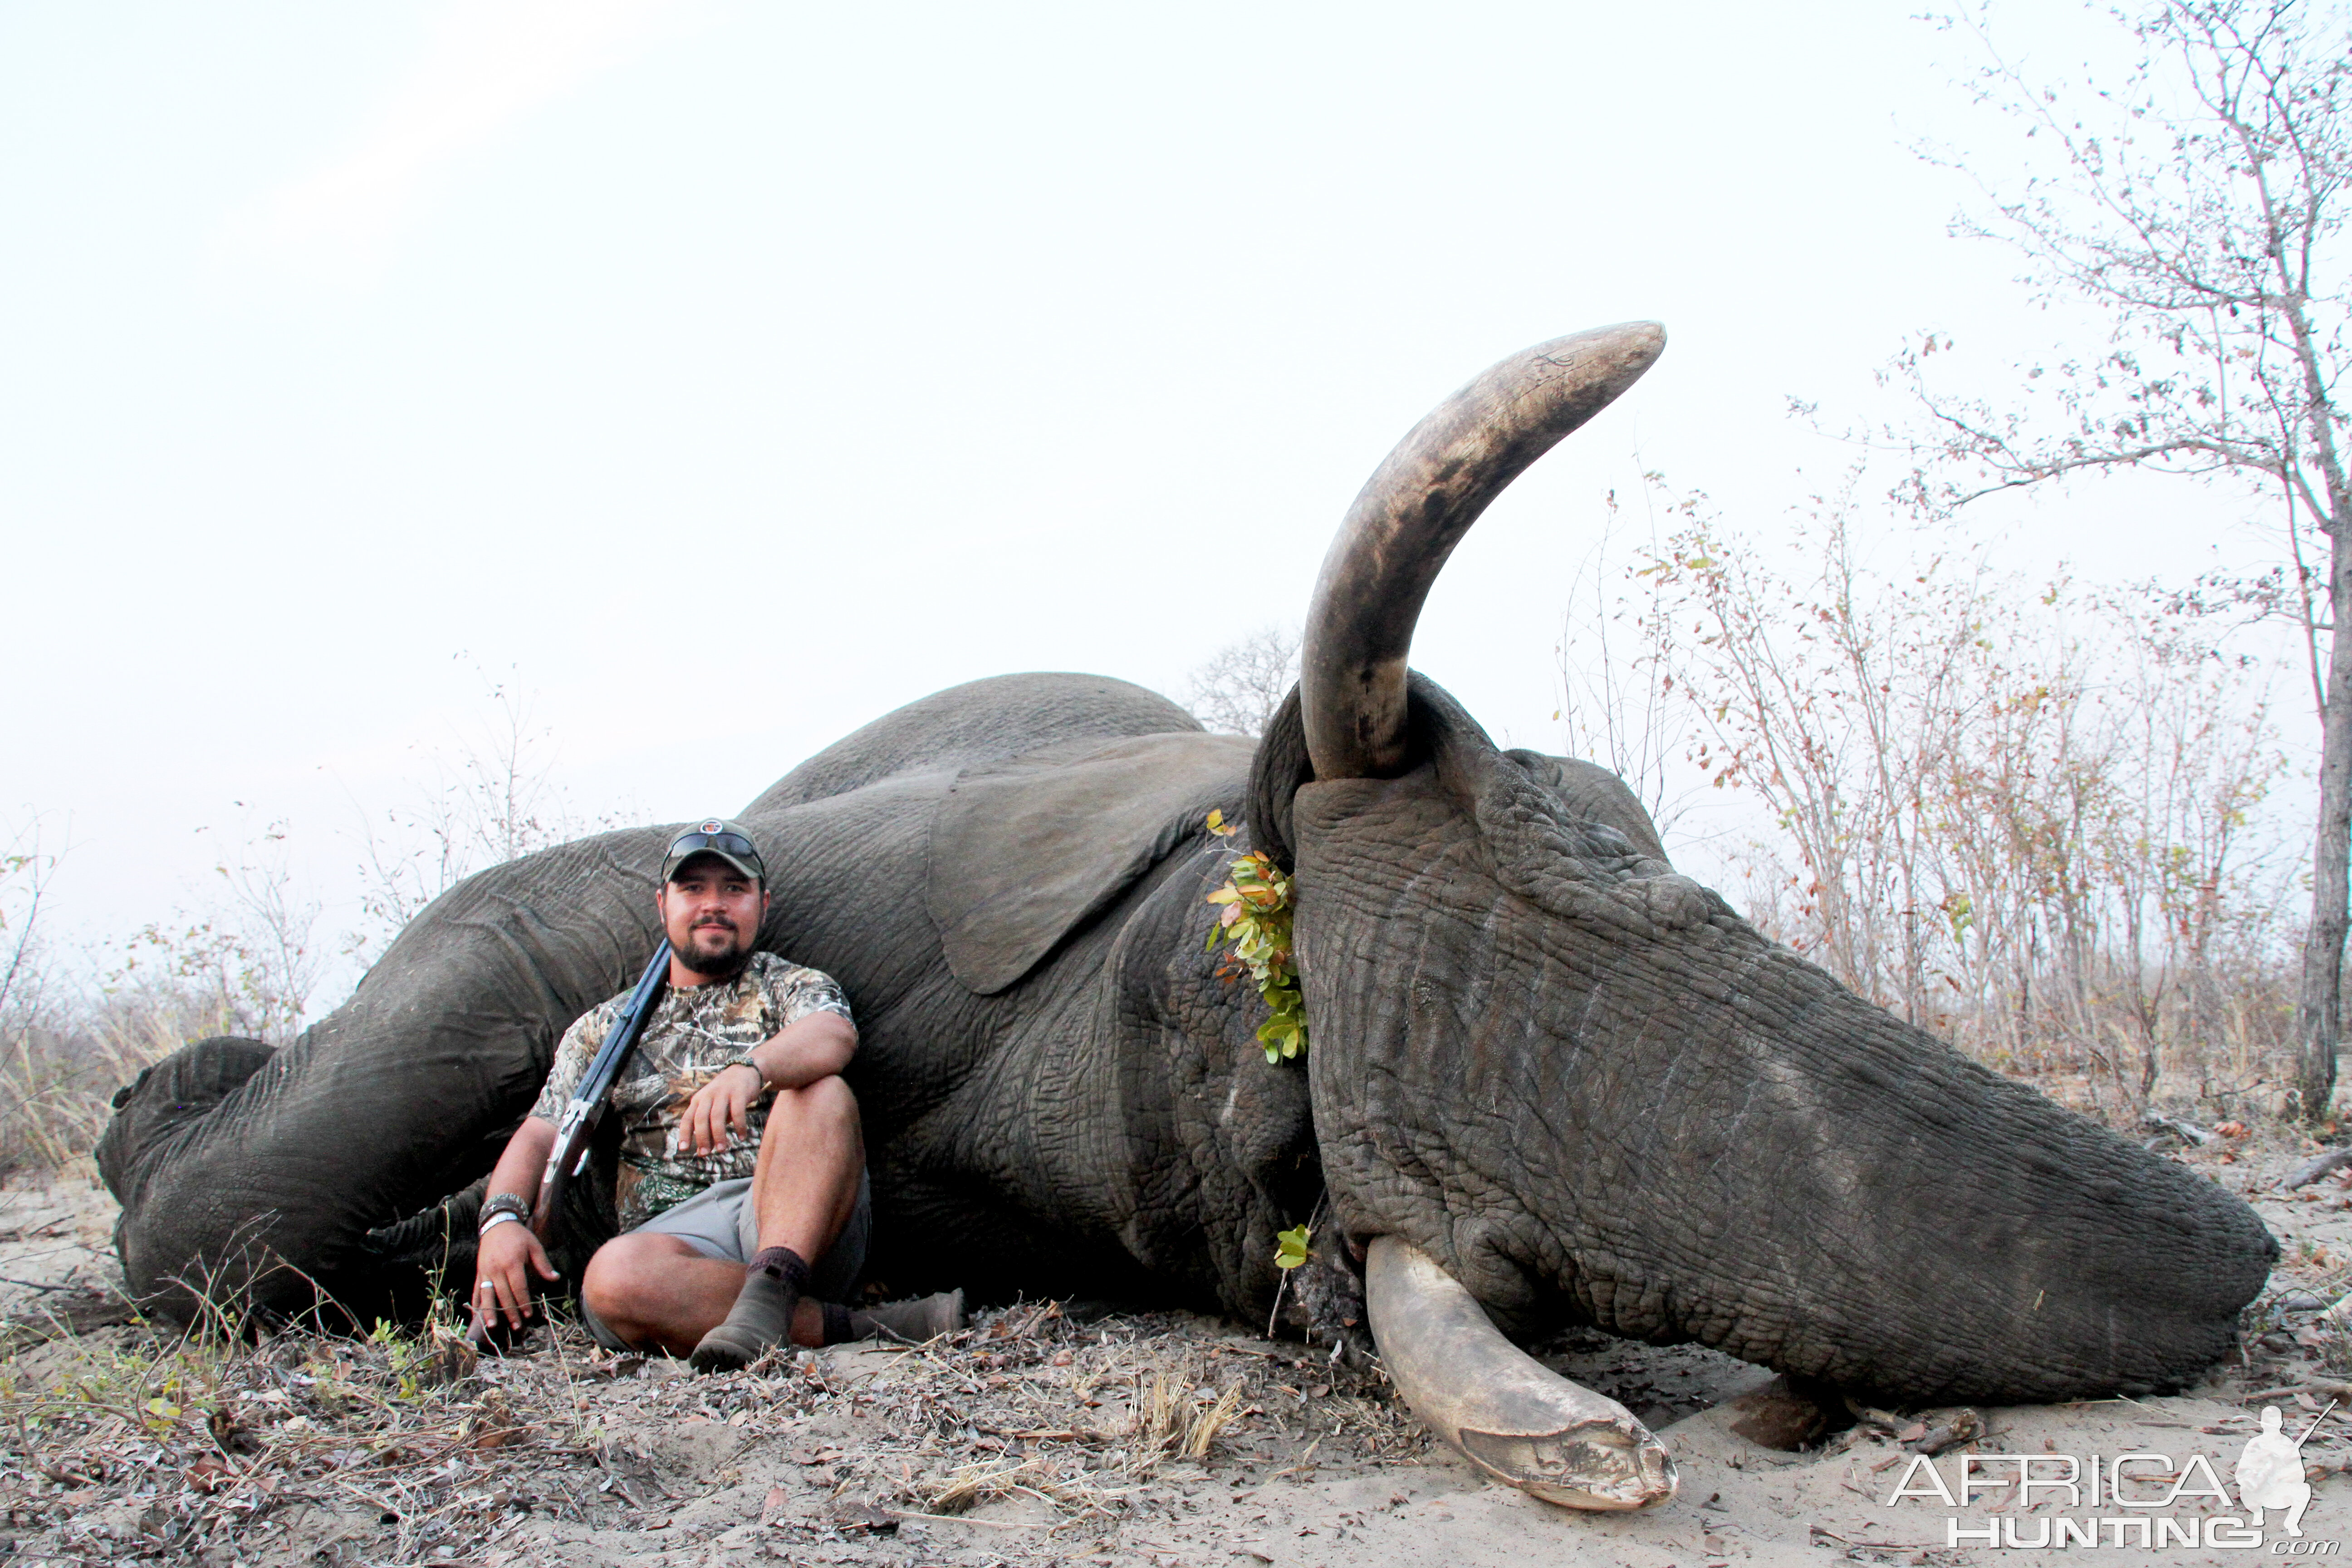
[
  {"x": 761, "y": 1317},
  {"x": 910, "y": 1322}
]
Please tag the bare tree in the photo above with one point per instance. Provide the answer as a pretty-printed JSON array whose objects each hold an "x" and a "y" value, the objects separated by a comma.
[
  {"x": 2197, "y": 208},
  {"x": 1240, "y": 687},
  {"x": 1836, "y": 702},
  {"x": 246, "y": 961},
  {"x": 1615, "y": 653},
  {"x": 492, "y": 796},
  {"x": 25, "y": 870}
]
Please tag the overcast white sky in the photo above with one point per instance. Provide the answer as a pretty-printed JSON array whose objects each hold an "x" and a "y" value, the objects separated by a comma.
[{"x": 734, "y": 373}]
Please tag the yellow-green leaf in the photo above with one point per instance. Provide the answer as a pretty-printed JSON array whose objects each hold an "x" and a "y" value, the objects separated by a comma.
[{"x": 1290, "y": 1246}]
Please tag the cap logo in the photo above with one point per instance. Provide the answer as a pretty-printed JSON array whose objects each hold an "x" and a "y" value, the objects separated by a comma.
[{"x": 707, "y": 827}]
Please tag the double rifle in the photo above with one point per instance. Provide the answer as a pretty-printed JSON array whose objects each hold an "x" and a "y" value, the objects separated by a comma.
[
  {"x": 585, "y": 1112},
  {"x": 574, "y": 1135}
]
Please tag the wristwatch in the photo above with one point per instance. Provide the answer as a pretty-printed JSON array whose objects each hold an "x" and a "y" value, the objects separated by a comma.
[{"x": 746, "y": 1062}]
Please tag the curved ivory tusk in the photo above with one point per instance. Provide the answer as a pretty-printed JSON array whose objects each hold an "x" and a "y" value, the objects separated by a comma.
[
  {"x": 1510, "y": 1416},
  {"x": 1410, "y": 515}
]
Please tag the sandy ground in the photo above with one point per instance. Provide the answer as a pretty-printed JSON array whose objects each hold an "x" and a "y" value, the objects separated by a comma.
[{"x": 1051, "y": 1436}]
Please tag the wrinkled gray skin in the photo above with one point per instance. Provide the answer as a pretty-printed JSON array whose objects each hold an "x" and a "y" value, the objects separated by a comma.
[{"x": 1575, "y": 1080}]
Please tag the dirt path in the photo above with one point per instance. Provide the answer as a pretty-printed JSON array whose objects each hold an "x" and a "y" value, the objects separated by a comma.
[{"x": 1045, "y": 1436}]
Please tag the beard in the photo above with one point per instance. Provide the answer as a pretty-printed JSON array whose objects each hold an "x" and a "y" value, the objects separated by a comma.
[{"x": 714, "y": 952}]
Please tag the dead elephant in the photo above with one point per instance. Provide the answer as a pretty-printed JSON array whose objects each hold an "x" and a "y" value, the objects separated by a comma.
[{"x": 1546, "y": 1070}]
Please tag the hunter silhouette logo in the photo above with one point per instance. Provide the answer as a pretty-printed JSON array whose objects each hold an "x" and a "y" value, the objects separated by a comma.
[{"x": 2270, "y": 1470}]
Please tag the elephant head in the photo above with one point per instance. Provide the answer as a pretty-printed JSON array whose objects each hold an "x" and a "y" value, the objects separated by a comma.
[
  {"x": 1549, "y": 1079},
  {"x": 1583, "y": 1086}
]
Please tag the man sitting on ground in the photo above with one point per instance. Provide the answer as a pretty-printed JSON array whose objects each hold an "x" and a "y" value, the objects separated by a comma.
[{"x": 745, "y": 1217}]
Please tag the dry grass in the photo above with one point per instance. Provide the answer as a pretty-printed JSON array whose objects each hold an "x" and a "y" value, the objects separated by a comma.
[
  {"x": 58, "y": 1080},
  {"x": 400, "y": 1447},
  {"x": 1175, "y": 1418},
  {"x": 1052, "y": 1439}
]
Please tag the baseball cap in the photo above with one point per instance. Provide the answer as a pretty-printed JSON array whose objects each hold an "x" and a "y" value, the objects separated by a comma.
[{"x": 715, "y": 836}]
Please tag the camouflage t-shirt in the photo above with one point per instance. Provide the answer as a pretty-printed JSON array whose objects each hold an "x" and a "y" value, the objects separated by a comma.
[{"x": 691, "y": 1039}]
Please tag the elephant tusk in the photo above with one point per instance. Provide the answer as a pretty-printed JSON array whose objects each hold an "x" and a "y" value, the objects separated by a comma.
[
  {"x": 1509, "y": 1414},
  {"x": 1411, "y": 514}
]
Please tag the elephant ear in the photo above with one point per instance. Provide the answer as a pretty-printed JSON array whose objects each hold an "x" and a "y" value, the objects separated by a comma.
[
  {"x": 1027, "y": 851},
  {"x": 1278, "y": 770}
]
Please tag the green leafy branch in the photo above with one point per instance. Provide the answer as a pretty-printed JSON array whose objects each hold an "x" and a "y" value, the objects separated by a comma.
[
  {"x": 1256, "y": 921},
  {"x": 1290, "y": 1250}
]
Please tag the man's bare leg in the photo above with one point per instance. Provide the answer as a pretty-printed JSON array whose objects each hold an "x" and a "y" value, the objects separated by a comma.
[
  {"x": 803, "y": 1191},
  {"x": 805, "y": 1188},
  {"x": 656, "y": 1290}
]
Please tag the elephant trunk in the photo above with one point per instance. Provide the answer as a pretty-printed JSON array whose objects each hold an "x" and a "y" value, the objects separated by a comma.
[
  {"x": 1593, "y": 1093},
  {"x": 1509, "y": 1414},
  {"x": 1413, "y": 511}
]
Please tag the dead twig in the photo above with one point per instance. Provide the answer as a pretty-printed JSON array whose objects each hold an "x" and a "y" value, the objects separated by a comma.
[
  {"x": 2318, "y": 1166},
  {"x": 1960, "y": 1426},
  {"x": 965, "y": 1519},
  {"x": 2332, "y": 1390},
  {"x": 2187, "y": 1130}
]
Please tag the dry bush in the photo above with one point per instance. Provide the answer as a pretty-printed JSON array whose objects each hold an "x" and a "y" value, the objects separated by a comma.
[
  {"x": 62, "y": 1052},
  {"x": 57, "y": 1087},
  {"x": 2030, "y": 818},
  {"x": 492, "y": 796},
  {"x": 246, "y": 954},
  {"x": 1616, "y": 661},
  {"x": 59, "y": 1073}
]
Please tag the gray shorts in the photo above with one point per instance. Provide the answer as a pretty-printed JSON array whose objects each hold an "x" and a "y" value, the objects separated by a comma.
[{"x": 717, "y": 1222}]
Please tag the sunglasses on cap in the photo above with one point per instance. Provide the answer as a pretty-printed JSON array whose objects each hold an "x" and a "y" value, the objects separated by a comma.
[
  {"x": 715, "y": 836},
  {"x": 724, "y": 843}
]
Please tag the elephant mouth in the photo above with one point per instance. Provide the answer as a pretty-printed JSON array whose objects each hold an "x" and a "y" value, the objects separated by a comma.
[{"x": 1509, "y": 1416}]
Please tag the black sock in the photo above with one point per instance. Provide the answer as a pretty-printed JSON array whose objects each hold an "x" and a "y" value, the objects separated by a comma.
[
  {"x": 783, "y": 1263},
  {"x": 837, "y": 1331}
]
